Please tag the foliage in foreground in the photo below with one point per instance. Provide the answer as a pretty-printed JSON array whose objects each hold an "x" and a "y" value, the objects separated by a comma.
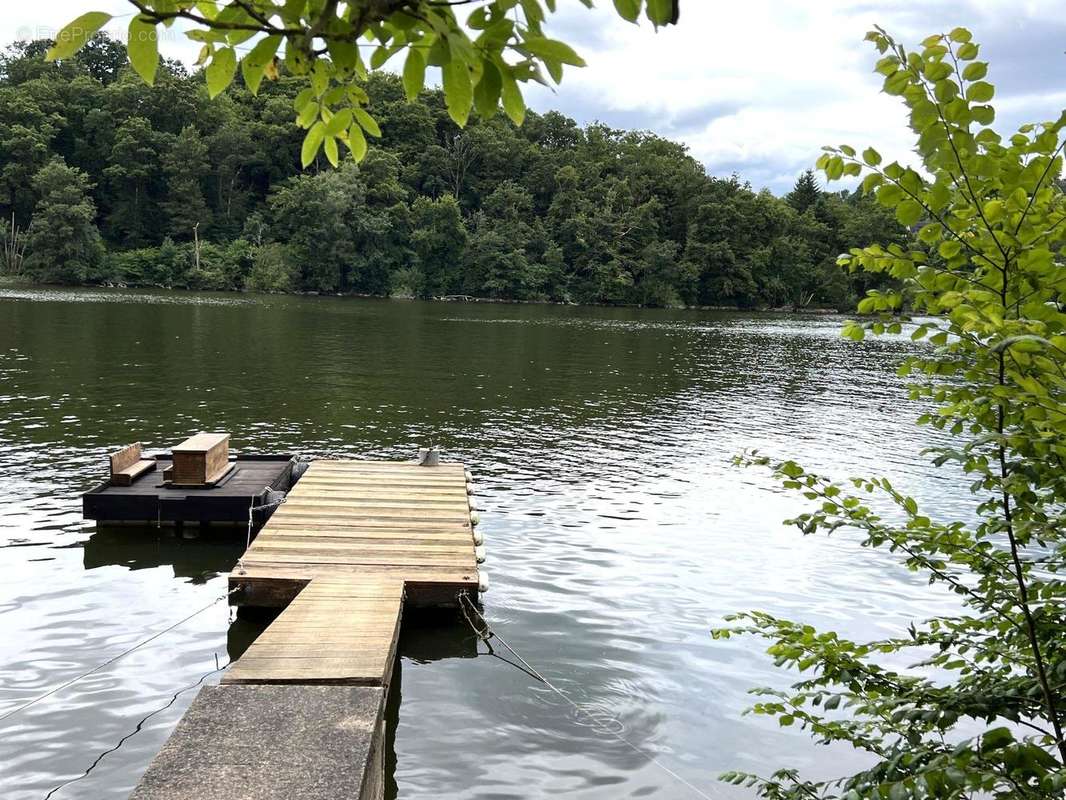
[
  {"x": 484, "y": 55},
  {"x": 545, "y": 211},
  {"x": 982, "y": 710}
]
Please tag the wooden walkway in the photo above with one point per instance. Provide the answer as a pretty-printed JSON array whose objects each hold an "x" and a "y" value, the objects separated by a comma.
[
  {"x": 354, "y": 544},
  {"x": 335, "y": 633},
  {"x": 352, "y": 522}
]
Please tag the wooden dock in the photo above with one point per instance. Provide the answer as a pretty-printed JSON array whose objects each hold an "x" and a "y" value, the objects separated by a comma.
[{"x": 353, "y": 545}]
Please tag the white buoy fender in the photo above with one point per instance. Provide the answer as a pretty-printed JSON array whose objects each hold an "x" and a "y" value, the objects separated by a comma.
[
  {"x": 475, "y": 518},
  {"x": 479, "y": 553},
  {"x": 467, "y": 475},
  {"x": 479, "y": 537},
  {"x": 483, "y": 582},
  {"x": 470, "y": 489}
]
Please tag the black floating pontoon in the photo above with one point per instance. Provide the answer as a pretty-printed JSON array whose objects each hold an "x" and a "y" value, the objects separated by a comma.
[{"x": 149, "y": 499}]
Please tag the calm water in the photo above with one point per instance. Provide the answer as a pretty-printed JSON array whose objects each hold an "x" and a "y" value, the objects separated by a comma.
[{"x": 618, "y": 532}]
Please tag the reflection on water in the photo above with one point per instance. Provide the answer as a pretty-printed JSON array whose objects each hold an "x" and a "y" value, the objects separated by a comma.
[{"x": 617, "y": 531}]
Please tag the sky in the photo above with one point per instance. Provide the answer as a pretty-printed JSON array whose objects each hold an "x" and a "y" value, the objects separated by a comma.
[{"x": 752, "y": 87}]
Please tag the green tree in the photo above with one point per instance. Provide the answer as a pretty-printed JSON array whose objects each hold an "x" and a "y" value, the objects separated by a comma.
[
  {"x": 310, "y": 215},
  {"x": 806, "y": 193},
  {"x": 26, "y": 135},
  {"x": 133, "y": 167},
  {"x": 185, "y": 166},
  {"x": 501, "y": 257},
  {"x": 271, "y": 271},
  {"x": 230, "y": 145},
  {"x": 438, "y": 241},
  {"x": 62, "y": 243},
  {"x": 102, "y": 58},
  {"x": 981, "y": 710}
]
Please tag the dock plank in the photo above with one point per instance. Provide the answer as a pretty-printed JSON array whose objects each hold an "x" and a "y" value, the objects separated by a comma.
[
  {"x": 348, "y": 539},
  {"x": 358, "y": 651}
]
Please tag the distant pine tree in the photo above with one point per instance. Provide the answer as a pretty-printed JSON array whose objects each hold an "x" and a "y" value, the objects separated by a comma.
[{"x": 805, "y": 194}]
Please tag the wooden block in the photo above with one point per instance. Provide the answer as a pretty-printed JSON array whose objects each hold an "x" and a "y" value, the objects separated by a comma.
[
  {"x": 126, "y": 465},
  {"x": 127, "y": 476},
  {"x": 201, "y": 459}
]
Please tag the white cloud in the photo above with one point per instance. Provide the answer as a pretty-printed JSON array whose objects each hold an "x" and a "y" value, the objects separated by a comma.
[
  {"x": 756, "y": 86},
  {"x": 781, "y": 79}
]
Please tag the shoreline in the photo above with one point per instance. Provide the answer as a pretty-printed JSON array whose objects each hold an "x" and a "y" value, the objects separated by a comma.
[{"x": 9, "y": 282}]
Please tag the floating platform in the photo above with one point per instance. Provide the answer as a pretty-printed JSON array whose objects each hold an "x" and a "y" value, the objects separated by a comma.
[
  {"x": 354, "y": 545},
  {"x": 346, "y": 521},
  {"x": 149, "y": 500}
]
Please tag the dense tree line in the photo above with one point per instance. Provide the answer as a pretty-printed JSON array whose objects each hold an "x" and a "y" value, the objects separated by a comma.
[{"x": 115, "y": 181}]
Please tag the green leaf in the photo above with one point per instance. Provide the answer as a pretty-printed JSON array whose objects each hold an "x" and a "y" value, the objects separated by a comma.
[
  {"x": 553, "y": 50},
  {"x": 514, "y": 105},
  {"x": 908, "y": 213},
  {"x": 628, "y": 10},
  {"x": 980, "y": 92},
  {"x": 458, "y": 93},
  {"x": 339, "y": 122},
  {"x": 960, "y": 35},
  {"x": 73, "y": 36},
  {"x": 309, "y": 113},
  {"x": 142, "y": 47},
  {"x": 996, "y": 739},
  {"x": 220, "y": 71},
  {"x": 662, "y": 12},
  {"x": 414, "y": 73},
  {"x": 312, "y": 142},
  {"x": 871, "y": 157},
  {"x": 367, "y": 122},
  {"x": 949, "y": 248},
  {"x": 871, "y": 182},
  {"x": 357, "y": 142},
  {"x": 853, "y": 330},
  {"x": 897, "y": 82},
  {"x": 487, "y": 91},
  {"x": 975, "y": 71},
  {"x": 983, "y": 115},
  {"x": 968, "y": 51},
  {"x": 253, "y": 65},
  {"x": 329, "y": 147}
]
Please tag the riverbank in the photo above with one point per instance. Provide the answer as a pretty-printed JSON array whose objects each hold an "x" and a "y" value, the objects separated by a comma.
[{"x": 12, "y": 282}]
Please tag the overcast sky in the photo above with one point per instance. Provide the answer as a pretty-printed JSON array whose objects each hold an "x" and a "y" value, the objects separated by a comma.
[{"x": 754, "y": 87}]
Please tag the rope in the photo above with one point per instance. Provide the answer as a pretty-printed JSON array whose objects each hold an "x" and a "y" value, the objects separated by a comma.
[
  {"x": 138, "y": 727},
  {"x": 485, "y": 632},
  {"x": 268, "y": 493},
  {"x": 113, "y": 659}
]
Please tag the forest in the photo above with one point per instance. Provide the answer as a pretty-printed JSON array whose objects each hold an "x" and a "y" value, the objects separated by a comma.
[{"x": 105, "y": 180}]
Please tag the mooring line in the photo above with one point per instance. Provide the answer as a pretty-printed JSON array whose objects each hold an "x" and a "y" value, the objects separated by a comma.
[
  {"x": 268, "y": 493},
  {"x": 112, "y": 660},
  {"x": 485, "y": 632},
  {"x": 138, "y": 727}
]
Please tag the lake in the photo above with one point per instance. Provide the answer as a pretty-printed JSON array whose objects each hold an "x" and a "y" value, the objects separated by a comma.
[{"x": 618, "y": 532}]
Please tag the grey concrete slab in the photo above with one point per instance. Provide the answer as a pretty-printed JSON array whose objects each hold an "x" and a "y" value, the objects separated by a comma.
[{"x": 269, "y": 742}]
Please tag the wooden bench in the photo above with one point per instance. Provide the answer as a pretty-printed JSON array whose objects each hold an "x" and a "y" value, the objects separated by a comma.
[
  {"x": 127, "y": 465},
  {"x": 201, "y": 460}
]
